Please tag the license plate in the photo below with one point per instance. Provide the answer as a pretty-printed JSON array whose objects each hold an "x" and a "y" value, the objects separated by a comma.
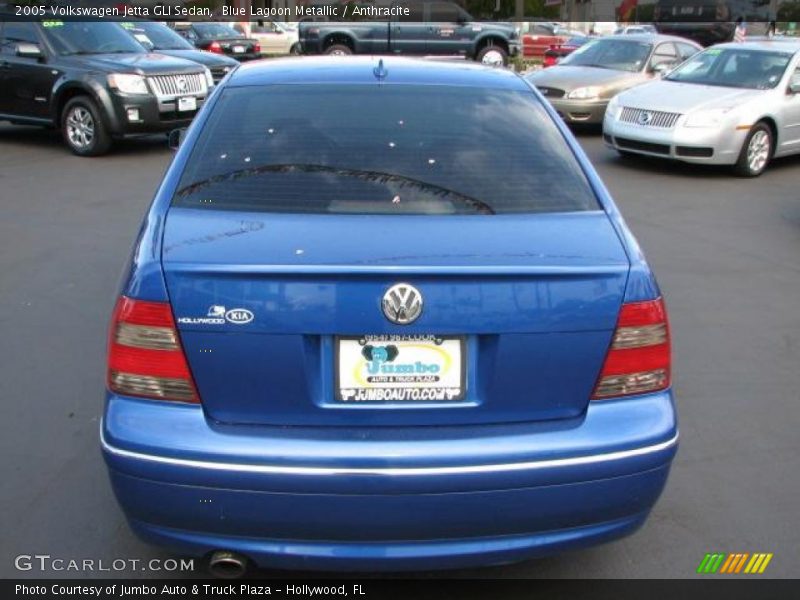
[
  {"x": 238, "y": 49},
  {"x": 188, "y": 103},
  {"x": 400, "y": 368}
]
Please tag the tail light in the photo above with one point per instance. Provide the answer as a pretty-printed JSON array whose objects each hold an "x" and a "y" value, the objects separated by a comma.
[
  {"x": 215, "y": 48},
  {"x": 257, "y": 48},
  {"x": 145, "y": 358},
  {"x": 638, "y": 361}
]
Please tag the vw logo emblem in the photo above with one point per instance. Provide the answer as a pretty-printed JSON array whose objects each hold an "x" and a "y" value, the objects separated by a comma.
[
  {"x": 645, "y": 118},
  {"x": 402, "y": 304},
  {"x": 180, "y": 83}
]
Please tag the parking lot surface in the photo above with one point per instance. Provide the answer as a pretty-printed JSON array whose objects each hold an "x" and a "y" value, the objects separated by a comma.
[{"x": 726, "y": 253}]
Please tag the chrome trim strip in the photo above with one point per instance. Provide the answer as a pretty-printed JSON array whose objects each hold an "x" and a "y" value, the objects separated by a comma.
[
  {"x": 244, "y": 269},
  {"x": 390, "y": 472}
]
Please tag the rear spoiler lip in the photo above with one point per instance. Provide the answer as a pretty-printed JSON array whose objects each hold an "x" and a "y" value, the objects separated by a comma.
[{"x": 350, "y": 269}]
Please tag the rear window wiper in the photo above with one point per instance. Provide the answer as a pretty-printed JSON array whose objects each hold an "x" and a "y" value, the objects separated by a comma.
[{"x": 370, "y": 176}]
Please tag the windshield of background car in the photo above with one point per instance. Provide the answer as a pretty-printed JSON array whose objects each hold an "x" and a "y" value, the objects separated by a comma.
[
  {"x": 161, "y": 36},
  {"x": 382, "y": 149},
  {"x": 621, "y": 55},
  {"x": 89, "y": 37},
  {"x": 734, "y": 67},
  {"x": 216, "y": 31}
]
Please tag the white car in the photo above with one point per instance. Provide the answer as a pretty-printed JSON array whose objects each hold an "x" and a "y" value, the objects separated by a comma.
[
  {"x": 732, "y": 104},
  {"x": 275, "y": 37},
  {"x": 603, "y": 28},
  {"x": 634, "y": 29}
]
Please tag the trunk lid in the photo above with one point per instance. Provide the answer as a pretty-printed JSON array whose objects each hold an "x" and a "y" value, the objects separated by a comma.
[{"x": 261, "y": 300}]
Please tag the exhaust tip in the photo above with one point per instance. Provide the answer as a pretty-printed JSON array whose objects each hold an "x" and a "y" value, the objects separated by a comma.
[{"x": 227, "y": 565}]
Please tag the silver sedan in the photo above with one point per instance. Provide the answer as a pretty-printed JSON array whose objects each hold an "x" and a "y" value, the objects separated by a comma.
[{"x": 733, "y": 104}]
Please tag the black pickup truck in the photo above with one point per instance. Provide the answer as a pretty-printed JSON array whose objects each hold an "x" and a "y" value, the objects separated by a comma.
[{"x": 424, "y": 28}]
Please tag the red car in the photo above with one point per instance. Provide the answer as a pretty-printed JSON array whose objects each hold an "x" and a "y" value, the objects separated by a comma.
[
  {"x": 558, "y": 51},
  {"x": 537, "y": 38}
]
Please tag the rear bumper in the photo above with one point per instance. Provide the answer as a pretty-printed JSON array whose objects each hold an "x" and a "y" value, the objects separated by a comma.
[
  {"x": 244, "y": 57},
  {"x": 331, "y": 499}
]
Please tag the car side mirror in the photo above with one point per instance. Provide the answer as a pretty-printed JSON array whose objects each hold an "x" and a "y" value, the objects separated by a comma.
[
  {"x": 176, "y": 138},
  {"x": 794, "y": 87},
  {"x": 28, "y": 50},
  {"x": 660, "y": 69}
]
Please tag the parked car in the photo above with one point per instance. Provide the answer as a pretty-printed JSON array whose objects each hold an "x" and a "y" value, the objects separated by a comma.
[
  {"x": 220, "y": 38},
  {"x": 710, "y": 22},
  {"x": 431, "y": 28},
  {"x": 159, "y": 38},
  {"x": 580, "y": 86},
  {"x": 631, "y": 29},
  {"x": 339, "y": 375},
  {"x": 556, "y": 52},
  {"x": 734, "y": 104},
  {"x": 274, "y": 37},
  {"x": 538, "y": 37},
  {"x": 95, "y": 82},
  {"x": 603, "y": 28}
]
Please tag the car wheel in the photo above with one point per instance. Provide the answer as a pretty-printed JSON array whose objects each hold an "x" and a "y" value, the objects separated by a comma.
[
  {"x": 493, "y": 56},
  {"x": 295, "y": 49},
  {"x": 83, "y": 129},
  {"x": 338, "y": 50},
  {"x": 756, "y": 151}
]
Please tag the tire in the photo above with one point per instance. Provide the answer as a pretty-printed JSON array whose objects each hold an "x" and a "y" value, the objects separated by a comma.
[
  {"x": 493, "y": 56},
  {"x": 83, "y": 129},
  {"x": 295, "y": 49},
  {"x": 339, "y": 50},
  {"x": 756, "y": 151}
]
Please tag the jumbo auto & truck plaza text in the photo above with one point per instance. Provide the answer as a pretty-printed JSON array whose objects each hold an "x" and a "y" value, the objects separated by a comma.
[{"x": 206, "y": 590}]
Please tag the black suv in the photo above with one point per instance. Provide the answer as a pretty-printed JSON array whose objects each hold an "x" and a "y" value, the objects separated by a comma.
[{"x": 95, "y": 82}]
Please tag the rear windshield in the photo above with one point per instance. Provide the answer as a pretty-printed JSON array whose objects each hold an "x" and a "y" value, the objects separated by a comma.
[
  {"x": 382, "y": 149},
  {"x": 216, "y": 30}
]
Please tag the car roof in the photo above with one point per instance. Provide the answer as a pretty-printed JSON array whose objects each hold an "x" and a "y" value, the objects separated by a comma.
[
  {"x": 779, "y": 44},
  {"x": 650, "y": 38},
  {"x": 362, "y": 69}
]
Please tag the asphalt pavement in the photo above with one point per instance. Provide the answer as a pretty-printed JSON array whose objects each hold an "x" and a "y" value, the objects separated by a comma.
[{"x": 725, "y": 251}]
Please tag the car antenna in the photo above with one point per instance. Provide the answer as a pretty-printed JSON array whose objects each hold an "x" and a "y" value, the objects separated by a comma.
[{"x": 380, "y": 71}]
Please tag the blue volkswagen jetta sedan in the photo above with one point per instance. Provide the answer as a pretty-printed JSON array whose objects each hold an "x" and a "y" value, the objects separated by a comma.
[{"x": 383, "y": 314}]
